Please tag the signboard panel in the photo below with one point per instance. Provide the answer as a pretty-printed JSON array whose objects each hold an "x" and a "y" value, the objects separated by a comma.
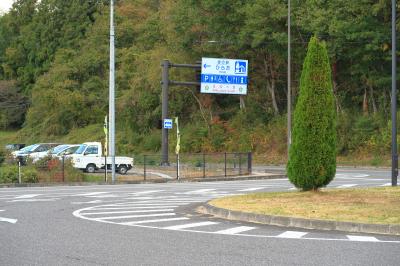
[
  {"x": 168, "y": 123},
  {"x": 224, "y": 76}
]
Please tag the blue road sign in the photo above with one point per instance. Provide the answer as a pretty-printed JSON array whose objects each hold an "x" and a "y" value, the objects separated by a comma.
[
  {"x": 168, "y": 123},
  {"x": 224, "y": 76}
]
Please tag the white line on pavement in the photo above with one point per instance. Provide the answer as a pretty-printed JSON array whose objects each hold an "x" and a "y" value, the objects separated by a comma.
[
  {"x": 156, "y": 221},
  {"x": 346, "y": 186},
  {"x": 136, "y": 211},
  {"x": 33, "y": 200},
  {"x": 201, "y": 191},
  {"x": 363, "y": 238},
  {"x": 184, "y": 226},
  {"x": 137, "y": 207},
  {"x": 251, "y": 189},
  {"x": 134, "y": 216},
  {"x": 145, "y": 192},
  {"x": 27, "y": 196},
  {"x": 8, "y": 220},
  {"x": 292, "y": 234},
  {"x": 235, "y": 230},
  {"x": 386, "y": 185}
]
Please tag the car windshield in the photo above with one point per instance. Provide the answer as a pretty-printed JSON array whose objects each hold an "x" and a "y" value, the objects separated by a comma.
[
  {"x": 68, "y": 151},
  {"x": 81, "y": 149},
  {"x": 59, "y": 148},
  {"x": 29, "y": 148}
]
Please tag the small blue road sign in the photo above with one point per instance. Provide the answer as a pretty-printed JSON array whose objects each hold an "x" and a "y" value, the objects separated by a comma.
[{"x": 168, "y": 123}]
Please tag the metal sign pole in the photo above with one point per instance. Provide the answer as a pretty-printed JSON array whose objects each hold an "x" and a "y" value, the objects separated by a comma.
[
  {"x": 394, "y": 99},
  {"x": 112, "y": 93},
  {"x": 165, "y": 84}
]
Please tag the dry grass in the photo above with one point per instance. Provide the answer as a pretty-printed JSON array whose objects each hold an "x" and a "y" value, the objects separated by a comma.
[{"x": 371, "y": 205}]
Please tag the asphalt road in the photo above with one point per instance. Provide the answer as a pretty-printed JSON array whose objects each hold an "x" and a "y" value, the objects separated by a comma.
[{"x": 155, "y": 224}]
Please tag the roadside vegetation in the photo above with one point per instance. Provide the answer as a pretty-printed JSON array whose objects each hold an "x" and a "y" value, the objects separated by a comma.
[
  {"x": 54, "y": 72},
  {"x": 367, "y": 205}
]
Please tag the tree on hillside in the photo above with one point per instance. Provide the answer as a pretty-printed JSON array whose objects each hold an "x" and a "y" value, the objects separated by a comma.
[{"x": 312, "y": 155}]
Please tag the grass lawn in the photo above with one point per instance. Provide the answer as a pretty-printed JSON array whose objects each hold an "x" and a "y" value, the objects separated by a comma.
[{"x": 369, "y": 205}]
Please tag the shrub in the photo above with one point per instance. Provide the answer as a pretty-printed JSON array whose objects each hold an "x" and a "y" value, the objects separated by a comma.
[
  {"x": 312, "y": 155},
  {"x": 9, "y": 174}
]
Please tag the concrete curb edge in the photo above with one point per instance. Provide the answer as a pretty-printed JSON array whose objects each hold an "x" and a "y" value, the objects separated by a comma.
[{"x": 385, "y": 229}]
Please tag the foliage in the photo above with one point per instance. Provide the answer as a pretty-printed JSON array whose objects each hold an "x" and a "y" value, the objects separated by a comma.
[
  {"x": 312, "y": 155},
  {"x": 54, "y": 71},
  {"x": 9, "y": 174}
]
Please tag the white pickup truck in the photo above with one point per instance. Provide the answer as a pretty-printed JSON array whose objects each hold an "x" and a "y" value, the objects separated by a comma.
[{"x": 89, "y": 157}]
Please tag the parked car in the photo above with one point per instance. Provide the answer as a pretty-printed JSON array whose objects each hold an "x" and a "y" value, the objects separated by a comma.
[
  {"x": 26, "y": 151},
  {"x": 89, "y": 157},
  {"x": 14, "y": 146},
  {"x": 56, "y": 152}
]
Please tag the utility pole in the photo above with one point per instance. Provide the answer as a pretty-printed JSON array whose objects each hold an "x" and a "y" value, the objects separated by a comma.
[
  {"x": 289, "y": 94},
  {"x": 394, "y": 99},
  {"x": 165, "y": 87},
  {"x": 111, "y": 108}
]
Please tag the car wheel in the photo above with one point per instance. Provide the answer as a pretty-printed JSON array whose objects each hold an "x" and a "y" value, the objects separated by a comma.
[
  {"x": 122, "y": 169},
  {"x": 90, "y": 168}
]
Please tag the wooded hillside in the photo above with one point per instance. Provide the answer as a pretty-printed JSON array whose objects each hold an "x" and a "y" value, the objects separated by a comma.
[{"x": 54, "y": 70}]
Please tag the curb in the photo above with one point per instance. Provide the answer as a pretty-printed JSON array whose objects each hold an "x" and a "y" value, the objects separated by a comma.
[
  {"x": 155, "y": 181},
  {"x": 385, "y": 229}
]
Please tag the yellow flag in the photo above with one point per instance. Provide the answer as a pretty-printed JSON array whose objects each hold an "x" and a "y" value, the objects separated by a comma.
[
  {"x": 105, "y": 128},
  {"x": 178, "y": 137}
]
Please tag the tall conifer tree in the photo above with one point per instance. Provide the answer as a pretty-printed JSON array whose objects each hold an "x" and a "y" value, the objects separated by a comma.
[{"x": 312, "y": 155}]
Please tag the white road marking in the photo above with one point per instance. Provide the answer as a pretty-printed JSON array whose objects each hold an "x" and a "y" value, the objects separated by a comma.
[
  {"x": 346, "y": 186},
  {"x": 2, "y": 210},
  {"x": 137, "y": 207},
  {"x": 90, "y": 194},
  {"x": 235, "y": 230},
  {"x": 27, "y": 196},
  {"x": 136, "y": 211},
  {"x": 292, "y": 234},
  {"x": 252, "y": 189},
  {"x": 134, "y": 216},
  {"x": 184, "y": 226},
  {"x": 8, "y": 220},
  {"x": 87, "y": 202},
  {"x": 363, "y": 238},
  {"x": 292, "y": 188},
  {"x": 361, "y": 175},
  {"x": 33, "y": 200},
  {"x": 145, "y": 192},
  {"x": 386, "y": 185},
  {"x": 156, "y": 221},
  {"x": 200, "y": 191}
]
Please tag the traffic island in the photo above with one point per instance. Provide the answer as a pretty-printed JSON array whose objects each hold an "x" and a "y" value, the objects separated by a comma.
[{"x": 372, "y": 210}]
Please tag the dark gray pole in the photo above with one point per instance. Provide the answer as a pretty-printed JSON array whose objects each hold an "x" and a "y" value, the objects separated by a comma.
[
  {"x": 111, "y": 149},
  {"x": 394, "y": 99},
  {"x": 289, "y": 94},
  {"x": 165, "y": 82}
]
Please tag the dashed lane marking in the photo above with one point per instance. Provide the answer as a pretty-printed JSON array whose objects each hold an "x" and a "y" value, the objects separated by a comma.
[
  {"x": 235, "y": 230},
  {"x": 200, "y": 191},
  {"x": 135, "y": 211},
  {"x": 156, "y": 221},
  {"x": 251, "y": 189},
  {"x": 191, "y": 225},
  {"x": 134, "y": 216},
  {"x": 363, "y": 238},
  {"x": 8, "y": 220},
  {"x": 27, "y": 196},
  {"x": 347, "y": 186},
  {"x": 292, "y": 234}
]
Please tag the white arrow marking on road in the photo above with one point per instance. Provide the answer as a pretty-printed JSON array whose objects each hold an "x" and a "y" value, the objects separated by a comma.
[
  {"x": 363, "y": 238},
  {"x": 251, "y": 189},
  {"x": 27, "y": 196},
  {"x": 184, "y": 226},
  {"x": 235, "y": 230},
  {"x": 292, "y": 234},
  {"x": 347, "y": 185},
  {"x": 8, "y": 220}
]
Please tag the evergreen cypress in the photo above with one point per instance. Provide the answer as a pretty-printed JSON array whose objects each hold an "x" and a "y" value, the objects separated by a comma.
[{"x": 312, "y": 155}]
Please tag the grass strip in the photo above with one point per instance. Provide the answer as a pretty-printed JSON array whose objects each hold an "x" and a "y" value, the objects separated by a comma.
[{"x": 369, "y": 205}]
